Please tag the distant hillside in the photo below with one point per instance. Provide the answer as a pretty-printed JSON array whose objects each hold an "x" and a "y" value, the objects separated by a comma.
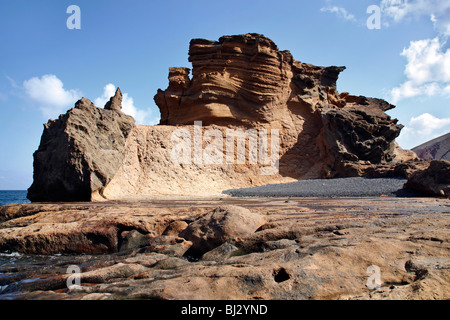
[{"x": 437, "y": 149}]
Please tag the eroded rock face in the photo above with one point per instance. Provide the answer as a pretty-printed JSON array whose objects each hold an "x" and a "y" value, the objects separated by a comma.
[
  {"x": 243, "y": 83},
  {"x": 115, "y": 103},
  {"x": 80, "y": 152},
  {"x": 246, "y": 81}
]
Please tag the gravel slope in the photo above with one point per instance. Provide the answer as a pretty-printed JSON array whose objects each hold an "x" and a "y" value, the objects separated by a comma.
[{"x": 343, "y": 187}]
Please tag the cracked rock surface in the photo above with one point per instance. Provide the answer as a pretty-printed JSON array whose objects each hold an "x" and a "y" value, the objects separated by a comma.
[{"x": 300, "y": 249}]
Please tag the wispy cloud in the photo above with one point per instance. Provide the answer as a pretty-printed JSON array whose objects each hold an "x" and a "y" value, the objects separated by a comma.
[
  {"x": 12, "y": 82},
  {"x": 340, "y": 12},
  {"x": 49, "y": 93},
  {"x": 395, "y": 11}
]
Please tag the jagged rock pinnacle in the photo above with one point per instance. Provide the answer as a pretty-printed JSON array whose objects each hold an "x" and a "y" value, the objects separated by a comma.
[{"x": 115, "y": 103}]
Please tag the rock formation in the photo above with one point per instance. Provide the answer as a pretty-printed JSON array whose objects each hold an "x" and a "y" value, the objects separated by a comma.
[
  {"x": 242, "y": 83},
  {"x": 305, "y": 249},
  {"x": 115, "y": 103},
  {"x": 434, "y": 180},
  {"x": 247, "y": 81},
  {"x": 80, "y": 152}
]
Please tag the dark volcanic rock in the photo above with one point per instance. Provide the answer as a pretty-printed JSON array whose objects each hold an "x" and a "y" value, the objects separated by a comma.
[
  {"x": 360, "y": 131},
  {"x": 80, "y": 152},
  {"x": 435, "y": 180}
]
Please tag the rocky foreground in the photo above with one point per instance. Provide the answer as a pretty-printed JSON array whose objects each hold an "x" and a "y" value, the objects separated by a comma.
[{"x": 278, "y": 248}]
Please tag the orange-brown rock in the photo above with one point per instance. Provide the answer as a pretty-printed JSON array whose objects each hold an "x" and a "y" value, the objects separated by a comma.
[
  {"x": 306, "y": 249},
  {"x": 246, "y": 81},
  {"x": 239, "y": 83}
]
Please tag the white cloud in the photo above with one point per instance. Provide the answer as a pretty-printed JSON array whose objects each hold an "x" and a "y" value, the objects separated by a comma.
[
  {"x": 422, "y": 129},
  {"x": 128, "y": 107},
  {"x": 427, "y": 70},
  {"x": 108, "y": 91},
  {"x": 340, "y": 12},
  {"x": 446, "y": 90},
  {"x": 3, "y": 97},
  {"x": 410, "y": 90},
  {"x": 427, "y": 61},
  {"x": 437, "y": 10},
  {"x": 48, "y": 91}
]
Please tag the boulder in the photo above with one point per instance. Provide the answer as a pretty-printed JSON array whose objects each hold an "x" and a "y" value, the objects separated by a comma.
[
  {"x": 175, "y": 228},
  {"x": 80, "y": 152},
  {"x": 133, "y": 240},
  {"x": 221, "y": 253},
  {"x": 214, "y": 228},
  {"x": 435, "y": 180},
  {"x": 169, "y": 245}
]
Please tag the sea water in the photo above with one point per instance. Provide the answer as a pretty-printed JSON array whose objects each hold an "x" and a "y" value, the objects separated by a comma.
[{"x": 13, "y": 196}]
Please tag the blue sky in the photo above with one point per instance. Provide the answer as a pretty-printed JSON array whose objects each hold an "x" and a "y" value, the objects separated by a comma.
[{"x": 45, "y": 67}]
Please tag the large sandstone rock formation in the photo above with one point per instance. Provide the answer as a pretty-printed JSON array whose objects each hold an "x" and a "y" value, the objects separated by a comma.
[{"x": 244, "y": 83}]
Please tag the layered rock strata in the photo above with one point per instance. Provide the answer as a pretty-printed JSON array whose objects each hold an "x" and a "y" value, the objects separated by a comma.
[
  {"x": 246, "y": 81},
  {"x": 243, "y": 84}
]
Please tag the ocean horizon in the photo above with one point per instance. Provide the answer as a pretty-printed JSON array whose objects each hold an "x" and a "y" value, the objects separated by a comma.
[{"x": 13, "y": 196}]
